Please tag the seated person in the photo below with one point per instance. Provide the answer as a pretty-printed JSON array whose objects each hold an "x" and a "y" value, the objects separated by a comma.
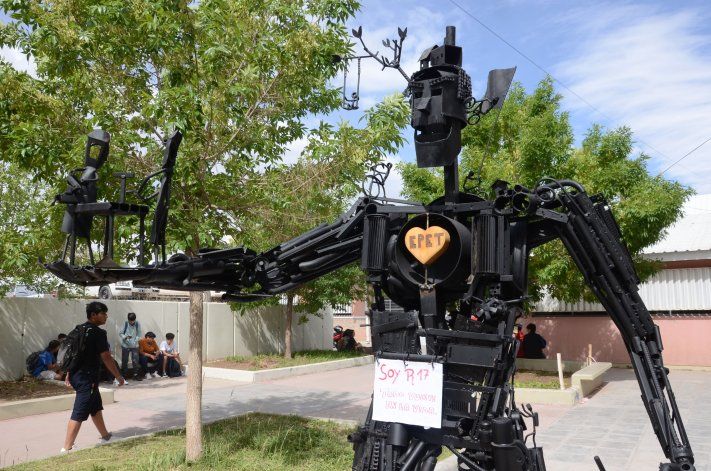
[
  {"x": 172, "y": 365},
  {"x": 348, "y": 342},
  {"x": 149, "y": 356},
  {"x": 47, "y": 367},
  {"x": 533, "y": 343},
  {"x": 60, "y": 338}
]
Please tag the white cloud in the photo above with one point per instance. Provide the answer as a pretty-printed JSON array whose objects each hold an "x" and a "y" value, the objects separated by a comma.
[
  {"x": 650, "y": 70},
  {"x": 18, "y": 60}
]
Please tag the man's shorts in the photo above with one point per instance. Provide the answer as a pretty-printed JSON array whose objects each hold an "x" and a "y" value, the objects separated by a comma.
[{"x": 88, "y": 399}]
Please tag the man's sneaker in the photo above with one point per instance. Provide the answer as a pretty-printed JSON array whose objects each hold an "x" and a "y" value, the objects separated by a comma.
[
  {"x": 116, "y": 383},
  {"x": 104, "y": 440},
  {"x": 148, "y": 376},
  {"x": 155, "y": 374},
  {"x": 64, "y": 450}
]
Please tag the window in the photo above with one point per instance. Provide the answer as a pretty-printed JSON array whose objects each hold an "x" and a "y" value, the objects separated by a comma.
[{"x": 342, "y": 310}]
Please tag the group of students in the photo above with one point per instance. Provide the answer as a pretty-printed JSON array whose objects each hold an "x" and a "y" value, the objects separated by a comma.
[{"x": 147, "y": 357}]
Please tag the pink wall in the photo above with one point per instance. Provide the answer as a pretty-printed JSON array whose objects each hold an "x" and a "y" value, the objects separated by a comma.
[{"x": 686, "y": 340}]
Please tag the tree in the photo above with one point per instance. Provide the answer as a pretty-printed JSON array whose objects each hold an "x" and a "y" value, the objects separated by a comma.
[
  {"x": 532, "y": 139},
  {"x": 316, "y": 189},
  {"x": 237, "y": 77},
  {"x": 24, "y": 213}
]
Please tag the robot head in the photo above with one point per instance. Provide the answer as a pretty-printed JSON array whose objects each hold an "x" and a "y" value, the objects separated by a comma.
[{"x": 439, "y": 91}]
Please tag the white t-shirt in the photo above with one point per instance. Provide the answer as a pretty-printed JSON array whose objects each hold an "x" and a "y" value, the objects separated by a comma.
[{"x": 164, "y": 347}]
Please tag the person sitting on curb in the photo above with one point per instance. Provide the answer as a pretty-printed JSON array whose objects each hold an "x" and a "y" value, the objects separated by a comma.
[
  {"x": 172, "y": 365},
  {"x": 46, "y": 368},
  {"x": 348, "y": 342},
  {"x": 150, "y": 356},
  {"x": 533, "y": 343}
]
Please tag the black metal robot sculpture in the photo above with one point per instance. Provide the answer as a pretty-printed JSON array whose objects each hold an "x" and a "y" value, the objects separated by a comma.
[{"x": 458, "y": 267}]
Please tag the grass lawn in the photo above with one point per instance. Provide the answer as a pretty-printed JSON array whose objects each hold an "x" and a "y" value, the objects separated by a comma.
[
  {"x": 30, "y": 388},
  {"x": 265, "y": 362},
  {"x": 254, "y": 442},
  {"x": 540, "y": 379}
]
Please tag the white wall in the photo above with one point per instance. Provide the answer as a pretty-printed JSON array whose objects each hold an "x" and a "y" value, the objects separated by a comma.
[
  {"x": 672, "y": 289},
  {"x": 28, "y": 324}
]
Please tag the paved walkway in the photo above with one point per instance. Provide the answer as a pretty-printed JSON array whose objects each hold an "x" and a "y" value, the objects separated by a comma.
[
  {"x": 158, "y": 404},
  {"x": 612, "y": 424}
]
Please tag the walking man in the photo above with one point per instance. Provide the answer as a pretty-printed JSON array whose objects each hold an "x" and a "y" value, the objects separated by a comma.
[
  {"x": 129, "y": 335},
  {"x": 84, "y": 378}
]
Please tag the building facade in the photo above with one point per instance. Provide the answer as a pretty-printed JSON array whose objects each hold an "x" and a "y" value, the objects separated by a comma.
[{"x": 679, "y": 298}]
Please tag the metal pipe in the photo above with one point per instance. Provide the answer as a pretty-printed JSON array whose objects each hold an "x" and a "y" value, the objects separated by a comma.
[
  {"x": 450, "y": 38},
  {"x": 414, "y": 456}
]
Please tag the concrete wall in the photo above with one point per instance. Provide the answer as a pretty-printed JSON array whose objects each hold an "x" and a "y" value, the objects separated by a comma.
[
  {"x": 28, "y": 324},
  {"x": 685, "y": 339}
]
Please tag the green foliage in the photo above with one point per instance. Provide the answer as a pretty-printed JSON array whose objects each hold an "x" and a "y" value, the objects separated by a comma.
[
  {"x": 532, "y": 139},
  {"x": 25, "y": 214},
  {"x": 237, "y": 77},
  {"x": 293, "y": 199}
]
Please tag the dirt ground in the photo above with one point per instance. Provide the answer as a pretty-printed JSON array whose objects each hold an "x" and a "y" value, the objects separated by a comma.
[
  {"x": 546, "y": 379},
  {"x": 30, "y": 388}
]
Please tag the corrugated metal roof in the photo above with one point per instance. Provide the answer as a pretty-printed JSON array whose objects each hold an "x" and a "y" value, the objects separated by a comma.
[
  {"x": 683, "y": 289},
  {"x": 692, "y": 232}
]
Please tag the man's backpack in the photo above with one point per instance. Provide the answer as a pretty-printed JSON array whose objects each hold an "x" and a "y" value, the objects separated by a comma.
[
  {"x": 72, "y": 348},
  {"x": 31, "y": 361}
]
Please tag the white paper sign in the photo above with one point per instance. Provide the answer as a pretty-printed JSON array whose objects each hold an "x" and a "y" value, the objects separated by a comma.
[{"x": 408, "y": 392}]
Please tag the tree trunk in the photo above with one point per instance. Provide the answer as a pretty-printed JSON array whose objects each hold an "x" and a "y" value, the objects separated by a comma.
[
  {"x": 193, "y": 403},
  {"x": 287, "y": 330}
]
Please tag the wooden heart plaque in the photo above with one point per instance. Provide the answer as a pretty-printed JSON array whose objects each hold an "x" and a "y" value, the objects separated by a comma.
[{"x": 427, "y": 244}]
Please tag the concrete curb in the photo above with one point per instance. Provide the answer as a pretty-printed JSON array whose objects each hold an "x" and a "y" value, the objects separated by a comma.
[
  {"x": 585, "y": 380},
  {"x": 567, "y": 397},
  {"x": 44, "y": 405},
  {"x": 277, "y": 373},
  {"x": 590, "y": 378}
]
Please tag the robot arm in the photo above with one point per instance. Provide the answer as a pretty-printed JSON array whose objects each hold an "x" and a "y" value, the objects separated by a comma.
[
  {"x": 235, "y": 270},
  {"x": 592, "y": 237},
  {"x": 312, "y": 254}
]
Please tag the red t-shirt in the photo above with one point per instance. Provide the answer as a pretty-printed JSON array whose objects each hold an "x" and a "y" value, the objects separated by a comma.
[{"x": 519, "y": 336}]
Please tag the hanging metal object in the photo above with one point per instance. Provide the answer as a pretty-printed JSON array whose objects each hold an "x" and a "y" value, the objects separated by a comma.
[{"x": 350, "y": 102}]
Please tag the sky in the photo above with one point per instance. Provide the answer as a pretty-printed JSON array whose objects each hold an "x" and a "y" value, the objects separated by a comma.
[
  {"x": 646, "y": 65},
  {"x": 643, "y": 64}
]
